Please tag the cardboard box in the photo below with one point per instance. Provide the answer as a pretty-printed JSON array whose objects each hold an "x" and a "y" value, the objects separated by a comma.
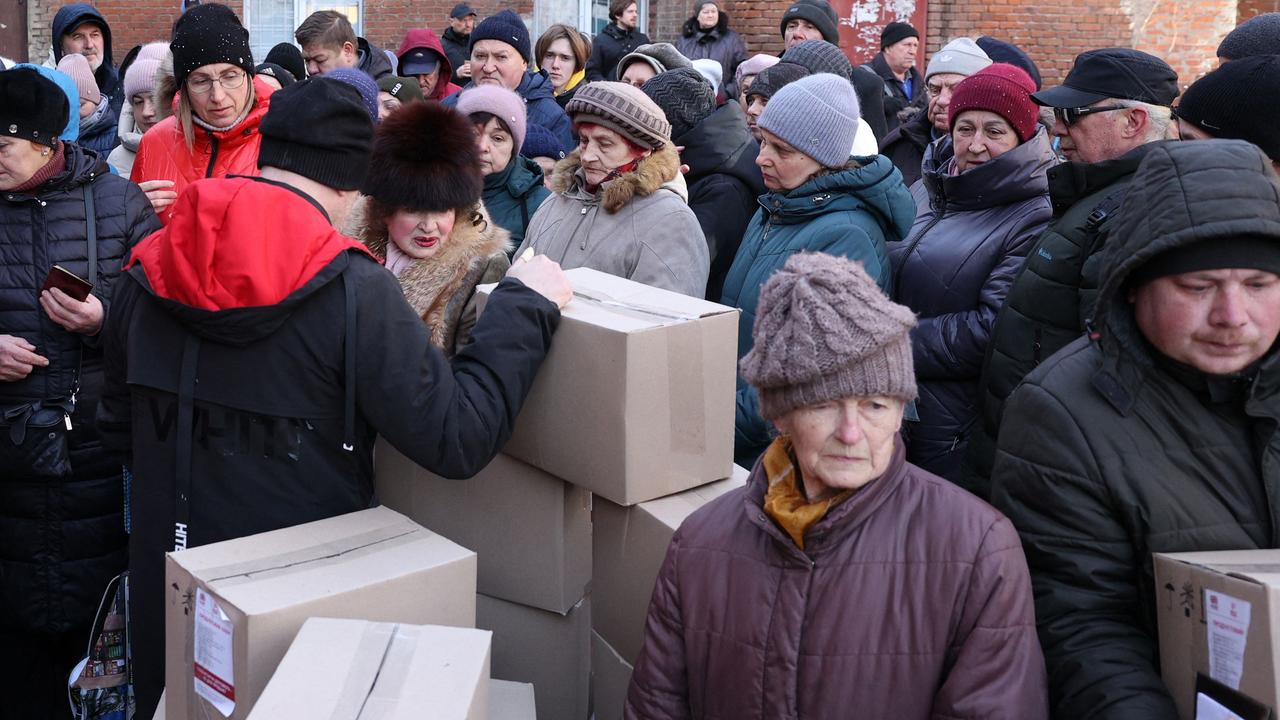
[
  {"x": 610, "y": 679},
  {"x": 550, "y": 650},
  {"x": 628, "y": 547},
  {"x": 1218, "y": 617},
  {"x": 636, "y": 398},
  {"x": 236, "y": 605},
  {"x": 361, "y": 670},
  {"x": 532, "y": 531},
  {"x": 511, "y": 701}
]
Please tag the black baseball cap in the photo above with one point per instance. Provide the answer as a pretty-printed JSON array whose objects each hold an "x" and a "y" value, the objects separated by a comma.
[
  {"x": 419, "y": 61},
  {"x": 1119, "y": 73},
  {"x": 460, "y": 11}
]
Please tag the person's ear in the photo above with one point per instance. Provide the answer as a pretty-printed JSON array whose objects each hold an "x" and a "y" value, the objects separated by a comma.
[
  {"x": 1136, "y": 122},
  {"x": 349, "y": 49}
]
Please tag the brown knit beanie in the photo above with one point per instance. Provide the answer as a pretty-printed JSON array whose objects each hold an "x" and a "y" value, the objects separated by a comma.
[
  {"x": 623, "y": 109},
  {"x": 824, "y": 331}
]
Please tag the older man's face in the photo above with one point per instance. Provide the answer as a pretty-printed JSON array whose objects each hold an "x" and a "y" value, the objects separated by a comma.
[
  {"x": 1217, "y": 321},
  {"x": 88, "y": 40}
]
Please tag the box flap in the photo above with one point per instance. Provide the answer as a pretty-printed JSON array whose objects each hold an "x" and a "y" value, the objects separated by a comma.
[
  {"x": 1259, "y": 566},
  {"x": 673, "y": 509}
]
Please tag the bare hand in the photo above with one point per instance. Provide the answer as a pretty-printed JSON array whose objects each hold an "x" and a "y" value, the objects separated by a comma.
[
  {"x": 543, "y": 276},
  {"x": 159, "y": 194},
  {"x": 18, "y": 358},
  {"x": 78, "y": 317},
  {"x": 465, "y": 70},
  {"x": 684, "y": 169}
]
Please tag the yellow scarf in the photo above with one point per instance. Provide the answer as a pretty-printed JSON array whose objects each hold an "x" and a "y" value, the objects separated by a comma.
[
  {"x": 785, "y": 502},
  {"x": 574, "y": 79}
]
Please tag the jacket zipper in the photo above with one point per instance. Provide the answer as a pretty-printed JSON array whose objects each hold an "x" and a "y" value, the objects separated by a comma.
[
  {"x": 573, "y": 237},
  {"x": 213, "y": 155}
]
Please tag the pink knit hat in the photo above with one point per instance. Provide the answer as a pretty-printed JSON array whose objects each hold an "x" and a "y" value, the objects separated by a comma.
[
  {"x": 78, "y": 69},
  {"x": 141, "y": 75},
  {"x": 500, "y": 103},
  {"x": 824, "y": 331},
  {"x": 1000, "y": 88}
]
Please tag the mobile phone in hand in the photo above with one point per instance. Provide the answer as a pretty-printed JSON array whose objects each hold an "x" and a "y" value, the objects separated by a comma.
[{"x": 68, "y": 282}]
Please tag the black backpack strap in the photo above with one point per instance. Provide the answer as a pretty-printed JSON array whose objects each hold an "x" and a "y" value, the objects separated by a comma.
[
  {"x": 91, "y": 224},
  {"x": 185, "y": 430},
  {"x": 1102, "y": 211},
  {"x": 349, "y": 369}
]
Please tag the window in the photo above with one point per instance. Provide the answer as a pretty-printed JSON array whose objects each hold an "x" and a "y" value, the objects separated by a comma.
[
  {"x": 589, "y": 16},
  {"x": 273, "y": 21}
]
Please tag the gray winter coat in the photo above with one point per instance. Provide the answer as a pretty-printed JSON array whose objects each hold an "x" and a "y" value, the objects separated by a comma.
[
  {"x": 954, "y": 269},
  {"x": 637, "y": 226}
]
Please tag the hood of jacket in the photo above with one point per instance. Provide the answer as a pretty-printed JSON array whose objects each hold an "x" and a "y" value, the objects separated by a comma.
[
  {"x": 457, "y": 37},
  {"x": 127, "y": 130},
  {"x": 692, "y": 28},
  {"x": 721, "y": 143},
  {"x": 424, "y": 280},
  {"x": 1017, "y": 175},
  {"x": 536, "y": 86},
  {"x": 237, "y": 257},
  {"x": 519, "y": 178},
  {"x": 1071, "y": 181},
  {"x": 653, "y": 173},
  {"x": 67, "y": 18},
  {"x": 371, "y": 60},
  {"x": 876, "y": 186},
  {"x": 427, "y": 38}
]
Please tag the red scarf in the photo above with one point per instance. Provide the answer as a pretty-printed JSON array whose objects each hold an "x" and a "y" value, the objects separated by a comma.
[{"x": 56, "y": 165}]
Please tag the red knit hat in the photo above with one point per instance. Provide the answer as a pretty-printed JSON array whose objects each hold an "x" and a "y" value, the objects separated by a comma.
[{"x": 1000, "y": 88}]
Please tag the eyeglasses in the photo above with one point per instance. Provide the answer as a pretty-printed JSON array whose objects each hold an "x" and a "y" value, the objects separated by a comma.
[
  {"x": 228, "y": 81},
  {"x": 1071, "y": 116}
]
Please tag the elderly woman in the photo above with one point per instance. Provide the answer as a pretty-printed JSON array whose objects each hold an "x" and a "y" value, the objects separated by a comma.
[
  {"x": 513, "y": 183},
  {"x": 616, "y": 205},
  {"x": 983, "y": 199},
  {"x": 841, "y": 577},
  {"x": 819, "y": 199},
  {"x": 63, "y": 216},
  {"x": 220, "y": 104},
  {"x": 706, "y": 35},
  {"x": 563, "y": 52}
]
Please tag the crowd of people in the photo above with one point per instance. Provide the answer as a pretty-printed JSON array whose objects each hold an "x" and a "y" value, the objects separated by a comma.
[{"x": 999, "y": 342}]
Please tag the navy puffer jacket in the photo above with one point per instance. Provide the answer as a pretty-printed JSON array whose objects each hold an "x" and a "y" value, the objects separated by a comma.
[
  {"x": 971, "y": 234},
  {"x": 61, "y": 542}
]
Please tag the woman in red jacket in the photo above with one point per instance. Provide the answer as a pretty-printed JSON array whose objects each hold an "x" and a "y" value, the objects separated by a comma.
[
  {"x": 842, "y": 581},
  {"x": 214, "y": 131}
]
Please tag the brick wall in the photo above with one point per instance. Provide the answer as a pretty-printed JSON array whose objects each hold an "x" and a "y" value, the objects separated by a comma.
[{"x": 1249, "y": 8}]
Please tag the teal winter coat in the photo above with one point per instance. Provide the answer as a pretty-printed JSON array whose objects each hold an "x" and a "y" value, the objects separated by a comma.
[
  {"x": 513, "y": 196},
  {"x": 852, "y": 213}
]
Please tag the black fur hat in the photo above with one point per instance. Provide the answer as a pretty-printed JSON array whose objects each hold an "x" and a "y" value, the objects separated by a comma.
[{"x": 425, "y": 159}]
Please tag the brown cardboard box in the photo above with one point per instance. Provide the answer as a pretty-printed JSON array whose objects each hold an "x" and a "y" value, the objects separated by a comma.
[
  {"x": 243, "y": 601},
  {"x": 550, "y": 650},
  {"x": 610, "y": 678},
  {"x": 532, "y": 531},
  {"x": 1218, "y": 617},
  {"x": 511, "y": 701},
  {"x": 632, "y": 404},
  {"x": 360, "y": 670},
  {"x": 628, "y": 546}
]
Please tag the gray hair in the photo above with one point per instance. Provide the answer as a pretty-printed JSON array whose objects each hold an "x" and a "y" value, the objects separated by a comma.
[{"x": 1159, "y": 119}]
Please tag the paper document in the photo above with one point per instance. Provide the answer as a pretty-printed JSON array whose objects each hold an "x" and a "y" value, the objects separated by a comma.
[
  {"x": 1227, "y": 622},
  {"x": 214, "y": 680}
]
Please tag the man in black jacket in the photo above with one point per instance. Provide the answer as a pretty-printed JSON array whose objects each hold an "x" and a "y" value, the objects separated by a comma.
[
  {"x": 896, "y": 66},
  {"x": 1110, "y": 109},
  {"x": 1158, "y": 431},
  {"x": 457, "y": 42},
  {"x": 618, "y": 39},
  {"x": 80, "y": 28},
  {"x": 251, "y": 362}
]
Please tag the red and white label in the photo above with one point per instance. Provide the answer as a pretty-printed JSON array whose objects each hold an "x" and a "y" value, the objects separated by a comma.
[{"x": 213, "y": 676}]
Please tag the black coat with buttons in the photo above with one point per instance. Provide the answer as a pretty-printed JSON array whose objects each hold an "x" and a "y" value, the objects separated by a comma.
[{"x": 61, "y": 540}]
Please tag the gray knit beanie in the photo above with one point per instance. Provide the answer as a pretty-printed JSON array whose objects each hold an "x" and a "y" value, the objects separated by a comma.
[
  {"x": 961, "y": 56},
  {"x": 817, "y": 115},
  {"x": 659, "y": 56},
  {"x": 824, "y": 331},
  {"x": 1259, "y": 35},
  {"x": 623, "y": 109},
  {"x": 819, "y": 56}
]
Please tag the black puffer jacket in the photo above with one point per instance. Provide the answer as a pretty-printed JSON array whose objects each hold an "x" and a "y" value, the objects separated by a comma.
[
  {"x": 607, "y": 49},
  {"x": 724, "y": 183},
  {"x": 969, "y": 238},
  {"x": 1110, "y": 452},
  {"x": 458, "y": 49},
  {"x": 1053, "y": 294},
  {"x": 110, "y": 81},
  {"x": 372, "y": 60},
  {"x": 62, "y": 540}
]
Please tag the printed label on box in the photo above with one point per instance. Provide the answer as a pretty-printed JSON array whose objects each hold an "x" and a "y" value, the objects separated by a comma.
[
  {"x": 214, "y": 680},
  {"x": 1227, "y": 622}
]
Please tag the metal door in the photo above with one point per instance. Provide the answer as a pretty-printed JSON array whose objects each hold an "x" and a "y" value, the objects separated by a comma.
[{"x": 13, "y": 30}]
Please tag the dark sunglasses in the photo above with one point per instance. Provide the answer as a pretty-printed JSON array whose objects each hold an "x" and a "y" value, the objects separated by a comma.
[{"x": 1071, "y": 116}]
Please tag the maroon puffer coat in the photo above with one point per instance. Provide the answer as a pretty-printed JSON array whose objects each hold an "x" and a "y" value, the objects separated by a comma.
[{"x": 912, "y": 601}]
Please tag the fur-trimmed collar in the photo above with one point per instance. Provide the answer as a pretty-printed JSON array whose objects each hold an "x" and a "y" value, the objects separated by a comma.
[
  {"x": 429, "y": 284},
  {"x": 649, "y": 176}
]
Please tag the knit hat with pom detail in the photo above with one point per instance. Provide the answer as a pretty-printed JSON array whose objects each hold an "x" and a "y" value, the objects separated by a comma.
[
  {"x": 817, "y": 115},
  {"x": 1002, "y": 89},
  {"x": 425, "y": 159},
  {"x": 825, "y": 331}
]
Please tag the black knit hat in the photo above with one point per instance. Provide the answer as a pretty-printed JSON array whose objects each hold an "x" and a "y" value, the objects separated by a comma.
[
  {"x": 1259, "y": 35},
  {"x": 1006, "y": 52},
  {"x": 32, "y": 107},
  {"x": 1240, "y": 101},
  {"x": 318, "y": 128},
  {"x": 270, "y": 69},
  {"x": 775, "y": 77},
  {"x": 819, "y": 56},
  {"x": 896, "y": 32},
  {"x": 288, "y": 56},
  {"x": 684, "y": 95},
  {"x": 507, "y": 27},
  {"x": 425, "y": 159},
  {"x": 208, "y": 34},
  {"x": 818, "y": 12}
]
